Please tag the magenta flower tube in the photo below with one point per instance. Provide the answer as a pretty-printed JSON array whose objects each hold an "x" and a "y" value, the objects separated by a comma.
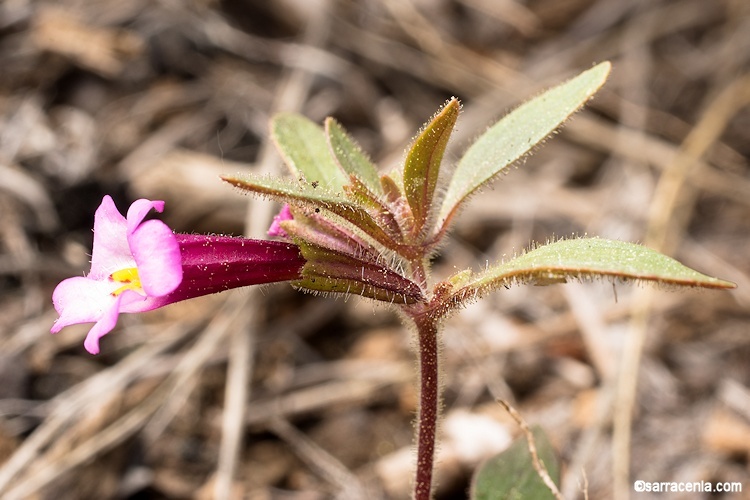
[{"x": 213, "y": 264}]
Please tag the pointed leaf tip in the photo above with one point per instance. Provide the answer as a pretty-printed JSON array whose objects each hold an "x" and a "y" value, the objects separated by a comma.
[{"x": 350, "y": 157}]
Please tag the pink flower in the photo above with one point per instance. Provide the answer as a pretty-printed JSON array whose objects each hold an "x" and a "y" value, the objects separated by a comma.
[{"x": 139, "y": 265}]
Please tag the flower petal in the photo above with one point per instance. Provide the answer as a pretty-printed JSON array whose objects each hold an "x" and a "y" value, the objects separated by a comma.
[
  {"x": 111, "y": 250},
  {"x": 139, "y": 209},
  {"x": 81, "y": 300},
  {"x": 106, "y": 323},
  {"x": 157, "y": 256}
]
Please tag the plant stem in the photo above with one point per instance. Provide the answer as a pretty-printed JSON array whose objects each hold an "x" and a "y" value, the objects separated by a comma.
[{"x": 429, "y": 402}]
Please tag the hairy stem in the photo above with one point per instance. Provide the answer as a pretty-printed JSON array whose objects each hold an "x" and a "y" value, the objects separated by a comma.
[{"x": 429, "y": 402}]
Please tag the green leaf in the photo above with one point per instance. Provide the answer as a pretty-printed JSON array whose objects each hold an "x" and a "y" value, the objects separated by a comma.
[
  {"x": 304, "y": 147},
  {"x": 350, "y": 157},
  {"x": 422, "y": 166},
  {"x": 285, "y": 190},
  {"x": 515, "y": 134},
  {"x": 315, "y": 197},
  {"x": 511, "y": 474},
  {"x": 581, "y": 258}
]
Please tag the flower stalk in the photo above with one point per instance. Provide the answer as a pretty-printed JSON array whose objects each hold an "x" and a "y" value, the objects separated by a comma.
[{"x": 428, "y": 345}]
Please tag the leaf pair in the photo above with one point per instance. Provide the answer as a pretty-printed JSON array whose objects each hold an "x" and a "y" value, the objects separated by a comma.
[
  {"x": 501, "y": 145},
  {"x": 335, "y": 175},
  {"x": 332, "y": 174}
]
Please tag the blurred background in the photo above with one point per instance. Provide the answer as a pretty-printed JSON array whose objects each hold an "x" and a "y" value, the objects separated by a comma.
[{"x": 270, "y": 394}]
